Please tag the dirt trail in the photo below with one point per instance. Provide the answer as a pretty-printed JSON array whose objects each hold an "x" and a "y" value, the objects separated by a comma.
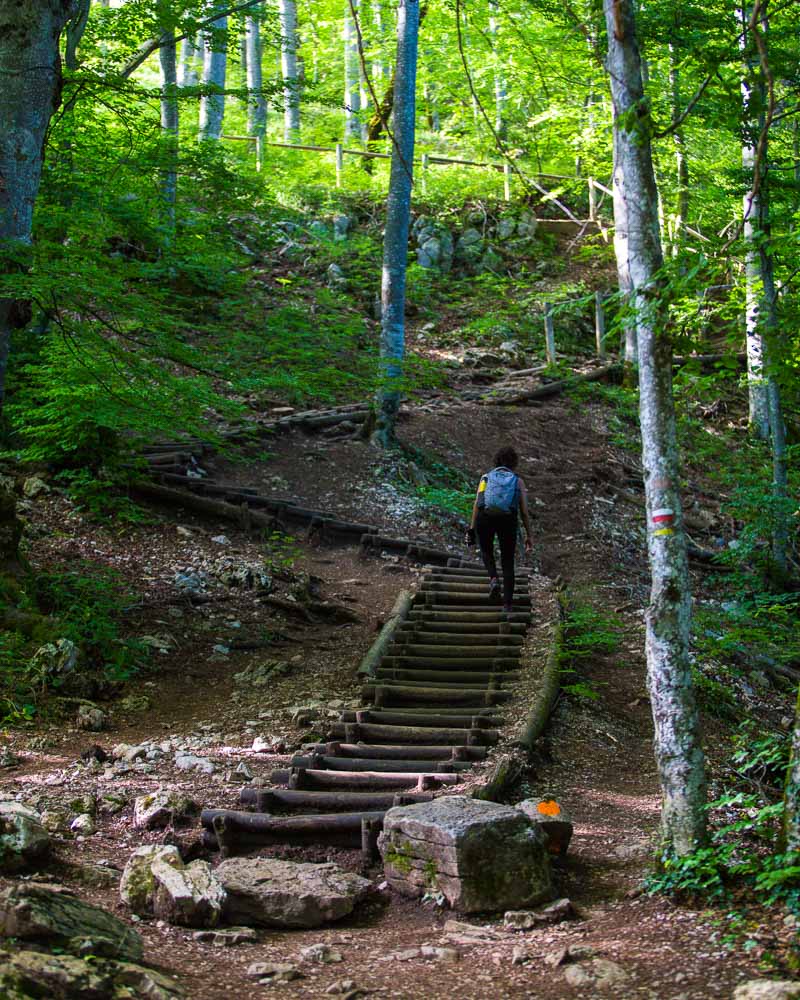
[{"x": 596, "y": 759}]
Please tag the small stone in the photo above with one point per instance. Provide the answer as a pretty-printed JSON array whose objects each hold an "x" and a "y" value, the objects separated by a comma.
[
  {"x": 553, "y": 820},
  {"x": 189, "y": 762},
  {"x": 599, "y": 973},
  {"x": 83, "y": 825},
  {"x": 520, "y": 955},
  {"x": 572, "y": 953},
  {"x": 448, "y": 955},
  {"x": 526, "y": 920},
  {"x": 347, "y": 986},
  {"x": 7, "y": 758},
  {"x": 242, "y": 773},
  {"x": 33, "y": 487},
  {"x": 335, "y": 278},
  {"x": 90, "y": 718},
  {"x": 273, "y": 972},
  {"x": 227, "y": 938},
  {"x": 767, "y": 989},
  {"x": 320, "y": 953}
]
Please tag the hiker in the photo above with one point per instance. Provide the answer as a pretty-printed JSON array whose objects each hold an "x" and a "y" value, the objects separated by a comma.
[{"x": 501, "y": 493}]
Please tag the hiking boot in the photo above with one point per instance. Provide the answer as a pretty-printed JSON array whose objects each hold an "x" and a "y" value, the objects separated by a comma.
[{"x": 495, "y": 595}]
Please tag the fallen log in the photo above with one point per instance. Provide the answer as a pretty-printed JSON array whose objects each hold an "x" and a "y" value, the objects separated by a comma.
[
  {"x": 233, "y": 830},
  {"x": 554, "y": 388},
  {"x": 396, "y": 618},
  {"x": 274, "y": 799}
]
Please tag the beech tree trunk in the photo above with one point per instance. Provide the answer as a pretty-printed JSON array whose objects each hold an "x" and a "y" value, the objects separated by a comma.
[
  {"x": 398, "y": 210},
  {"x": 681, "y": 158},
  {"x": 187, "y": 72},
  {"x": 791, "y": 795},
  {"x": 167, "y": 55},
  {"x": 291, "y": 91},
  {"x": 352, "y": 76},
  {"x": 30, "y": 70},
  {"x": 215, "y": 64},
  {"x": 753, "y": 97},
  {"x": 679, "y": 755},
  {"x": 256, "y": 101},
  {"x": 499, "y": 77}
]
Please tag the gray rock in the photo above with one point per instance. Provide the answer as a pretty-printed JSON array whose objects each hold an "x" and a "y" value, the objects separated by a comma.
[
  {"x": 271, "y": 972},
  {"x": 189, "y": 897},
  {"x": 51, "y": 914},
  {"x": 242, "y": 573},
  {"x": 335, "y": 279},
  {"x": 23, "y": 839},
  {"x": 138, "y": 884},
  {"x": 506, "y": 228},
  {"x": 470, "y": 237},
  {"x": 33, "y": 487},
  {"x": 8, "y": 758},
  {"x": 27, "y": 974},
  {"x": 318, "y": 228},
  {"x": 83, "y": 825},
  {"x": 227, "y": 938},
  {"x": 341, "y": 227},
  {"x": 490, "y": 261},
  {"x": 599, "y": 973},
  {"x": 242, "y": 774},
  {"x": 767, "y": 989},
  {"x": 190, "y": 762},
  {"x": 527, "y": 920},
  {"x": 435, "y": 249},
  {"x": 554, "y": 821},
  {"x": 320, "y": 952},
  {"x": 481, "y": 856},
  {"x": 261, "y": 675},
  {"x": 160, "y": 809},
  {"x": 91, "y": 718},
  {"x": 273, "y": 893},
  {"x": 55, "y": 660}
]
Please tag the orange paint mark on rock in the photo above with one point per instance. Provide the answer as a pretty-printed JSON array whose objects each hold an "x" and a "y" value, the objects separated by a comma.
[{"x": 549, "y": 807}]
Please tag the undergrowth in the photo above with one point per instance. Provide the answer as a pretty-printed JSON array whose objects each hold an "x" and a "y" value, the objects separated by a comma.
[{"x": 587, "y": 633}]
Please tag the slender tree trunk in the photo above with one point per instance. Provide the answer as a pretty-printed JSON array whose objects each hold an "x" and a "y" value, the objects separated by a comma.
[
  {"x": 215, "y": 64},
  {"x": 398, "y": 210},
  {"x": 378, "y": 68},
  {"x": 187, "y": 71},
  {"x": 629, "y": 345},
  {"x": 791, "y": 794},
  {"x": 681, "y": 158},
  {"x": 30, "y": 70},
  {"x": 257, "y": 102},
  {"x": 291, "y": 90},
  {"x": 169, "y": 132},
  {"x": 753, "y": 96},
  {"x": 679, "y": 755},
  {"x": 352, "y": 78},
  {"x": 499, "y": 76}
]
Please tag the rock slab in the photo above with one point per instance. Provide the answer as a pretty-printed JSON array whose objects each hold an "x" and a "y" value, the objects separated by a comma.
[
  {"x": 767, "y": 989},
  {"x": 272, "y": 893},
  {"x": 481, "y": 856},
  {"x": 23, "y": 839},
  {"x": 33, "y": 911}
]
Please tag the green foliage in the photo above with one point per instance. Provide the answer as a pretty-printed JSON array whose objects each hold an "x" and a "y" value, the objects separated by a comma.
[
  {"x": 714, "y": 697},
  {"x": 281, "y": 553},
  {"x": 586, "y": 633},
  {"x": 453, "y": 501},
  {"x": 99, "y": 495}
]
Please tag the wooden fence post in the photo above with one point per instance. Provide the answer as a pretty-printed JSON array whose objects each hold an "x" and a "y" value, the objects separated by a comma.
[
  {"x": 592, "y": 200},
  {"x": 599, "y": 324},
  {"x": 507, "y": 181},
  {"x": 259, "y": 152},
  {"x": 549, "y": 334},
  {"x": 339, "y": 164}
]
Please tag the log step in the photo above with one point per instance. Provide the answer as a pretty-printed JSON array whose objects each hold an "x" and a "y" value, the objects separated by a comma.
[
  {"x": 233, "y": 830},
  {"x": 352, "y": 764},
  {"x": 451, "y": 678},
  {"x": 401, "y": 774},
  {"x": 452, "y": 616},
  {"x": 281, "y": 800},
  {"x": 389, "y": 694},
  {"x": 410, "y": 717},
  {"x": 477, "y": 590},
  {"x": 436, "y": 651},
  {"x": 388, "y": 752},
  {"x": 374, "y": 733},
  {"x": 455, "y": 662},
  {"x": 482, "y": 635},
  {"x": 452, "y": 688}
]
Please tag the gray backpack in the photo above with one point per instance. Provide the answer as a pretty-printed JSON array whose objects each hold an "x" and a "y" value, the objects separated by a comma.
[{"x": 502, "y": 492}]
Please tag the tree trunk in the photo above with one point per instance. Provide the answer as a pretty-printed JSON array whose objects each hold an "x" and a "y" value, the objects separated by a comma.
[
  {"x": 167, "y": 55},
  {"x": 291, "y": 91},
  {"x": 753, "y": 94},
  {"x": 215, "y": 62},
  {"x": 398, "y": 210},
  {"x": 679, "y": 755},
  {"x": 187, "y": 74},
  {"x": 257, "y": 102},
  {"x": 378, "y": 68},
  {"x": 791, "y": 794},
  {"x": 499, "y": 77},
  {"x": 30, "y": 68},
  {"x": 352, "y": 78},
  {"x": 681, "y": 159}
]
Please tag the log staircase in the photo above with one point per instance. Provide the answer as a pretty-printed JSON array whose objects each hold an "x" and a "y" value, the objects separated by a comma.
[{"x": 431, "y": 710}]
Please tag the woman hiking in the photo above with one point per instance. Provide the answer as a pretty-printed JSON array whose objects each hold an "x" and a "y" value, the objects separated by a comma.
[{"x": 501, "y": 496}]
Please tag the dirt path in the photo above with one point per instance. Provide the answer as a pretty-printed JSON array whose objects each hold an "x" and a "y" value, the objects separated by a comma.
[{"x": 596, "y": 759}]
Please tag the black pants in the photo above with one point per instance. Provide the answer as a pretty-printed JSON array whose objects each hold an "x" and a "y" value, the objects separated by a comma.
[{"x": 504, "y": 526}]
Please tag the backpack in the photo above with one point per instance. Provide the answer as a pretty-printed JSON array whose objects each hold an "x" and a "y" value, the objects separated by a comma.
[{"x": 501, "y": 492}]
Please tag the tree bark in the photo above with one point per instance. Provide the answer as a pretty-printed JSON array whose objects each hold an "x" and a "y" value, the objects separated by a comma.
[
  {"x": 187, "y": 74},
  {"x": 398, "y": 210},
  {"x": 30, "y": 68},
  {"x": 215, "y": 60},
  {"x": 679, "y": 755},
  {"x": 257, "y": 102},
  {"x": 352, "y": 78},
  {"x": 291, "y": 92},
  {"x": 791, "y": 794},
  {"x": 681, "y": 158},
  {"x": 499, "y": 78},
  {"x": 167, "y": 55}
]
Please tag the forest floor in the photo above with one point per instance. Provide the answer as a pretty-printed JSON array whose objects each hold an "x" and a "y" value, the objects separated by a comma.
[{"x": 596, "y": 758}]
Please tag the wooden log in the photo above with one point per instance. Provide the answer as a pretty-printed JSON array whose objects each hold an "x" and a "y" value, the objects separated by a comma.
[
  {"x": 397, "y": 616},
  {"x": 548, "y": 691},
  {"x": 554, "y": 388},
  {"x": 268, "y": 800},
  {"x": 352, "y": 765},
  {"x": 454, "y": 678},
  {"x": 408, "y": 717},
  {"x": 390, "y": 752},
  {"x": 372, "y": 732},
  {"x": 385, "y": 774},
  {"x": 242, "y": 829}
]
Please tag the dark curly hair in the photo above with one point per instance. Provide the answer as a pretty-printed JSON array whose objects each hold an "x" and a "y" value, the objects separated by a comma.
[{"x": 507, "y": 456}]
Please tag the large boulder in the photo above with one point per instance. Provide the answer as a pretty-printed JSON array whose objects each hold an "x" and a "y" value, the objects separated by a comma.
[
  {"x": 137, "y": 888},
  {"x": 273, "y": 893},
  {"x": 481, "y": 856},
  {"x": 23, "y": 839},
  {"x": 161, "y": 808},
  {"x": 768, "y": 989},
  {"x": 27, "y": 974},
  {"x": 190, "y": 896},
  {"x": 51, "y": 914}
]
